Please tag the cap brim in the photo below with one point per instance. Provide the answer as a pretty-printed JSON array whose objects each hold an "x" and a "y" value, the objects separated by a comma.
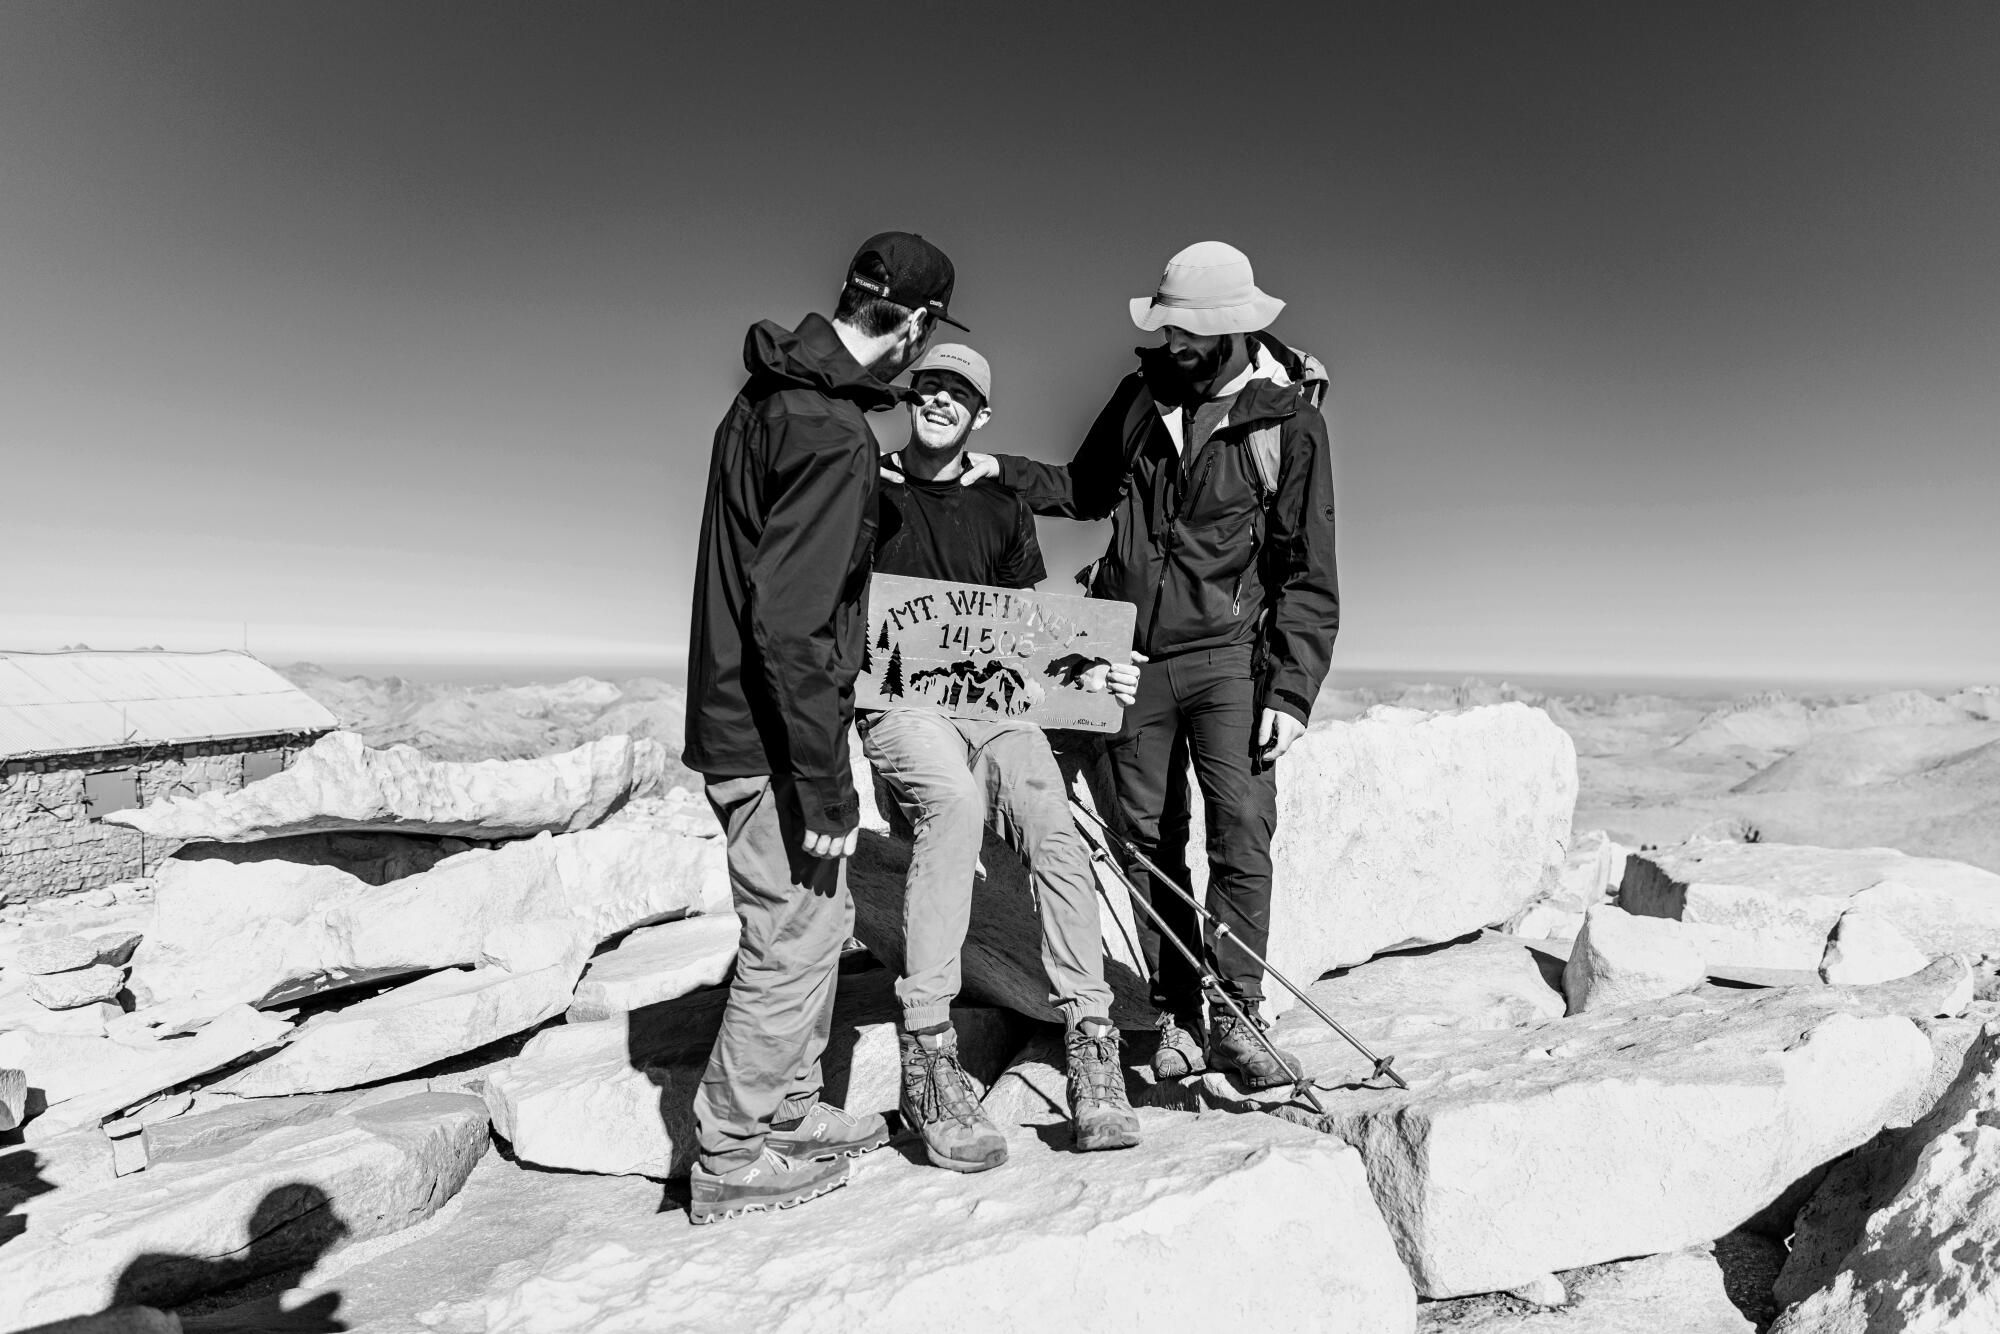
[
  {"x": 954, "y": 323},
  {"x": 1252, "y": 316}
]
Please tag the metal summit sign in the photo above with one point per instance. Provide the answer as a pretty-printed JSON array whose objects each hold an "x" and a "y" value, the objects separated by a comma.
[{"x": 970, "y": 651}]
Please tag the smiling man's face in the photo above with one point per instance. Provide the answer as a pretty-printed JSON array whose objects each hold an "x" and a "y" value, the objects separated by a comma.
[{"x": 947, "y": 410}]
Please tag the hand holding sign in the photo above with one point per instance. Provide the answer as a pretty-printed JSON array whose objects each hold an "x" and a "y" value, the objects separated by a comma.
[{"x": 1120, "y": 678}]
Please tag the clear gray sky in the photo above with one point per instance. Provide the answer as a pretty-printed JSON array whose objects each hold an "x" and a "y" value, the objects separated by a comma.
[{"x": 1665, "y": 339}]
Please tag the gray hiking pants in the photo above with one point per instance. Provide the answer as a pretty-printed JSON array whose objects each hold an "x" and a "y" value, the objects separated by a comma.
[
  {"x": 951, "y": 776},
  {"x": 796, "y": 916}
]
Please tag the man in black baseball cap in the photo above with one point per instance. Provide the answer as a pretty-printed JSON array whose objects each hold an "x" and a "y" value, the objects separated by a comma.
[
  {"x": 780, "y": 610},
  {"x": 905, "y": 270}
]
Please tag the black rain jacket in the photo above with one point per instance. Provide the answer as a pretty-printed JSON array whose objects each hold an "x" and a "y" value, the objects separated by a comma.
[
  {"x": 1192, "y": 543},
  {"x": 781, "y": 583}
]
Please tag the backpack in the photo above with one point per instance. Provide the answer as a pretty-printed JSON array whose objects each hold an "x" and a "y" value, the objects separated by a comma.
[{"x": 1310, "y": 376}]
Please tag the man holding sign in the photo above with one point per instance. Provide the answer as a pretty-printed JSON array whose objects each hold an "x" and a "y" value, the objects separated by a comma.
[{"x": 951, "y": 775}]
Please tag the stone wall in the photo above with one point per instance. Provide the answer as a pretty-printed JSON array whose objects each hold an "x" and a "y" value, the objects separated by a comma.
[{"x": 49, "y": 845}]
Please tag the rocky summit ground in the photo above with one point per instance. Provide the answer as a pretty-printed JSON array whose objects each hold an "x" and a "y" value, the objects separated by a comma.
[{"x": 407, "y": 1038}]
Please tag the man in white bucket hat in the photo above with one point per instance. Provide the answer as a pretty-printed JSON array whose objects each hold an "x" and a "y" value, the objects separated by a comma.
[{"x": 1213, "y": 464}]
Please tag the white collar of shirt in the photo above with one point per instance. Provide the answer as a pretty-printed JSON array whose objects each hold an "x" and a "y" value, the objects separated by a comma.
[{"x": 1262, "y": 367}]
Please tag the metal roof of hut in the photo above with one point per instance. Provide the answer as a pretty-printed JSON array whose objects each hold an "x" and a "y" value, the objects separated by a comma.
[{"x": 62, "y": 703}]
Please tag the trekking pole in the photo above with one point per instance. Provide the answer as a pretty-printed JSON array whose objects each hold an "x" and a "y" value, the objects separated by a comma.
[
  {"x": 1209, "y": 982},
  {"x": 1384, "y": 1065}
]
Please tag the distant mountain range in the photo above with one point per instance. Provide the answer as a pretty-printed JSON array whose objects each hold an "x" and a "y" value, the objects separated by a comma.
[
  {"x": 478, "y": 722},
  {"x": 1901, "y": 769}
]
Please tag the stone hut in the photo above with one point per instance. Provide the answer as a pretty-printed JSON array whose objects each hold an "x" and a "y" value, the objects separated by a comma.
[{"x": 83, "y": 734}]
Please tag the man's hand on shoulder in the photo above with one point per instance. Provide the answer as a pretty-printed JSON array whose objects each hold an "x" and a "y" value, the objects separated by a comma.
[
  {"x": 1276, "y": 733},
  {"x": 978, "y": 467}
]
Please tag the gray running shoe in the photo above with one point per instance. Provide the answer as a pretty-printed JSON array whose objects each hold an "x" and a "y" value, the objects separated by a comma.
[
  {"x": 940, "y": 1103},
  {"x": 1097, "y": 1103},
  {"x": 773, "y": 1181},
  {"x": 1178, "y": 1054},
  {"x": 827, "y": 1131},
  {"x": 1235, "y": 1049}
]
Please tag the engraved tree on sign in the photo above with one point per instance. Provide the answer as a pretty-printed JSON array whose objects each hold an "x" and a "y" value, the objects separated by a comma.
[{"x": 892, "y": 676}]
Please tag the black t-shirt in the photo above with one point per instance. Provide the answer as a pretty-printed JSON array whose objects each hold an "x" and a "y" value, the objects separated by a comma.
[{"x": 978, "y": 534}]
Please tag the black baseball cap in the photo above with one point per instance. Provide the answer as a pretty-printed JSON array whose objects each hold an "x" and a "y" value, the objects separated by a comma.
[{"x": 905, "y": 268}]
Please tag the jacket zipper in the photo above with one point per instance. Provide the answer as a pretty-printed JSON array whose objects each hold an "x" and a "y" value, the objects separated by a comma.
[
  {"x": 1236, "y": 601},
  {"x": 1172, "y": 539}
]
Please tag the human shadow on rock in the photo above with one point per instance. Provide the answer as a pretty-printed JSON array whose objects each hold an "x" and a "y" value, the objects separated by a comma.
[
  {"x": 20, "y": 1180},
  {"x": 292, "y": 1227}
]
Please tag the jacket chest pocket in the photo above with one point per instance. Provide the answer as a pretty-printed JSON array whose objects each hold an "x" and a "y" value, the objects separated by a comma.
[{"x": 1215, "y": 552}]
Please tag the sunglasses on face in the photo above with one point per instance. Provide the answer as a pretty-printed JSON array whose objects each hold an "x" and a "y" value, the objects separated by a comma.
[{"x": 928, "y": 387}]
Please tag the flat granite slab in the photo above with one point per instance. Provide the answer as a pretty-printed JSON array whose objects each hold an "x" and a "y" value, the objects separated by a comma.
[{"x": 1628, "y": 1131}]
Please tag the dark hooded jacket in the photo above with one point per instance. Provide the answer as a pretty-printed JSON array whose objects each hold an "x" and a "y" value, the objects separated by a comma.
[
  {"x": 781, "y": 583},
  {"x": 1193, "y": 543}
]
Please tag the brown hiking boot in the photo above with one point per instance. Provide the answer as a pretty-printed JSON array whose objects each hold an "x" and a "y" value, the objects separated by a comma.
[
  {"x": 1178, "y": 1054},
  {"x": 826, "y": 1131},
  {"x": 1235, "y": 1049},
  {"x": 1097, "y": 1103},
  {"x": 940, "y": 1103},
  {"x": 771, "y": 1181}
]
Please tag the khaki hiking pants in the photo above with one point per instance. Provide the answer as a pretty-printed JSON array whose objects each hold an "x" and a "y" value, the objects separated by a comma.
[
  {"x": 796, "y": 916},
  {"x": 952, "y": 776}
]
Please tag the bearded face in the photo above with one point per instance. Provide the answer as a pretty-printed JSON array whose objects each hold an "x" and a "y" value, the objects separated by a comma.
[{"x": 1198, "y": 356}]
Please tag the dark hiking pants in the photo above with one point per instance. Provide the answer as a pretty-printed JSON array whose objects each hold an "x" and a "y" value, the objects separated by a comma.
[{"x": 1199, "y": 706}]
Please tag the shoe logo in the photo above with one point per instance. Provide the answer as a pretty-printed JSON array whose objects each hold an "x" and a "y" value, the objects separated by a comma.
[
  {"x": 753, "y": 1174},
  {"x": 819, "y": 1131}
]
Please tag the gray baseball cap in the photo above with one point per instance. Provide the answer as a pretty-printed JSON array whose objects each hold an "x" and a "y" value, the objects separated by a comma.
[{"x": 960, "y": 360}]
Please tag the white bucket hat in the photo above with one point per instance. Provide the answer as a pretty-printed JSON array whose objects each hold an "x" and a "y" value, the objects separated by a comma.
[{"x": 1207, "y": 289}]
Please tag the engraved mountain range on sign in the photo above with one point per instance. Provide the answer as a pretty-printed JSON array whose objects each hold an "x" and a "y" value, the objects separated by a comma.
[{"x": 995, "y": 684}]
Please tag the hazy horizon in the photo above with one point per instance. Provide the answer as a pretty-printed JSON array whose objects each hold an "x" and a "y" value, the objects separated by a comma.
[
  {"x": 675, "y": 673},
  {"x": 1662, "y": 339}
]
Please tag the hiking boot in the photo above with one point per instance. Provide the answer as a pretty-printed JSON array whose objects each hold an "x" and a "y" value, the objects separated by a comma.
[
  {"x": 1178, "y": 1054},
  {"x": 1097, "y": 1104},
  {"x": 826, "y": 1131},
  {"x": 1236, "y": 1049},
  {"x": 773, "y": 1181},
  {"x": 940, "y": 1103}
]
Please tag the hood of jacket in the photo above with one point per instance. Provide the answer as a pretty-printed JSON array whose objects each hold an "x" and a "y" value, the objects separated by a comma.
[{"x": 811, "y": 357}]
